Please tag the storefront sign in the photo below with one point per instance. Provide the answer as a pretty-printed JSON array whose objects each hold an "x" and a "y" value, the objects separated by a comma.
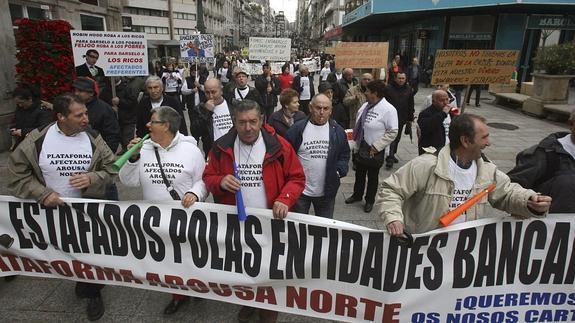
[
  {"x": 361, "y": 55},
  {"x": 470, "y": 36},
  {"x": 551, "y": 22},
  {"x": 359, "y": 13},
  {"x": 118, "y": 53},
  {"x": 474, "y": 66},
  {"x": 491, "y": 270}
]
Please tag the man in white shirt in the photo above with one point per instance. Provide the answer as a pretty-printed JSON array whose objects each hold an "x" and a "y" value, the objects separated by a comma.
[
  {"x": 303, "y": 84},
  {"x": 215, "y": 116},
  {"x": 72, "y": 162},
  {"x": 322, "y": 148},
  {"x": 241, "y": 90}
]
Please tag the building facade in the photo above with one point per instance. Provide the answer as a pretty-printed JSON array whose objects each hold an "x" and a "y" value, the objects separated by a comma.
[{"x": 416, "y": 28}]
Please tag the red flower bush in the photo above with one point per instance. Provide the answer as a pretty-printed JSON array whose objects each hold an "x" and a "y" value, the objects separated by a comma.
[{"x": 45, "y": 56}]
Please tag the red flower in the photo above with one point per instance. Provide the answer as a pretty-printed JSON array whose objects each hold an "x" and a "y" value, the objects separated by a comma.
[{"x": 45, "y": 55}]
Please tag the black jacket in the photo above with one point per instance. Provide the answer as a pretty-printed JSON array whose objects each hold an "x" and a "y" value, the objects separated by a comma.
[
  {"x": 296, "y": 85},
  {"x": 144, "y": 114},
  {"x": 401, "y": 97},
  {"x": 337, "y": 156},
  {"x": 430, "y": 123},
  {"x": 104, "y": 120},
  {"x": 268, "y": 99},
  {"x": 29, "y": 119},
  {"x": 253, "y": 94},
  {"x": 344, "y": 86},
  {"x": 278, "y": 122},
  {"x": 128, "y": 94},
  {"x": 550, "y": 170}
]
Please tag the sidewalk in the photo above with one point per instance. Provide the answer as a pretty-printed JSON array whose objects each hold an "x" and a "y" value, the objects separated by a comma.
[{"x": 35, "y": 299}]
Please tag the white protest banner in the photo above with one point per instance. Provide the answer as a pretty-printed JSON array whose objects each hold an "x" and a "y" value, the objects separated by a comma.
[
  {"x": 197, "y": 48},
  {"x": 270, "y": 49},
  {"x": 492, "y": 270},
  {"x": 117, "y": 53},
  {"x": 313, "y": 64},
  {"x": 256, "y": 68}
]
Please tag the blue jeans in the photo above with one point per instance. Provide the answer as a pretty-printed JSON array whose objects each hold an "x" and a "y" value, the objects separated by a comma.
[{"x": 322, "y": 206}]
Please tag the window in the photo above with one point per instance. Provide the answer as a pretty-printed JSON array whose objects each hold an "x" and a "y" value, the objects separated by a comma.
[
  {"x": 35, "y": 13},
  {"x": 16, "y": 12},
  {"x": 184, "y": 16},
  {"x": 92, "y": 2},
  {"x": 147, "y": 12},
  {"x": 151, "y": 29},
  {"x": 92, "y": 22},
  {"x": 185, "y": 31}
]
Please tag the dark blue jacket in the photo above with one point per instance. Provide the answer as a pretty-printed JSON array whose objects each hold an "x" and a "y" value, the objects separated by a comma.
[{"x": 337, "y": 156}]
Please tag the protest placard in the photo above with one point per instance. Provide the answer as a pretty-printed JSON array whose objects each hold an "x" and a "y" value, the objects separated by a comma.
[
  {"x": 491, "y": 270},
  {"x": 270, "y": 49},
  {"x": 361, "y": 55},
  {"x": 474, "y": 66},
  {"x": 197, "y": 48},
  {"x": 118, "y": 53}
]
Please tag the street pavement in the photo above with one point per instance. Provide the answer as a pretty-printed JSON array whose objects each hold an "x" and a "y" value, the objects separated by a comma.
[{"x": 49, "y": 300}]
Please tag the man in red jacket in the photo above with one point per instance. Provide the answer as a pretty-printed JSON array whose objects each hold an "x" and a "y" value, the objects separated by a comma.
[{"x": 269, "y": 171}]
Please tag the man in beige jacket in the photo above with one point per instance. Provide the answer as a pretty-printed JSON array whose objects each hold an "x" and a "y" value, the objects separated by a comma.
[
  {"x": 64, "y": 159},
  {"x": 418, "y": 194},
  {"x": 355, "y": 97}
]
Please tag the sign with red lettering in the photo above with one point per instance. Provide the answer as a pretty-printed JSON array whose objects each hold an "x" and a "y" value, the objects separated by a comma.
[
  {"x": 491, "y": 270},
  {"x": 113, "y": 53}
]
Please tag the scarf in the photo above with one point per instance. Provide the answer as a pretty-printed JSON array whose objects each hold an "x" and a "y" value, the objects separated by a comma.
[{"x": 358, "y": 129}]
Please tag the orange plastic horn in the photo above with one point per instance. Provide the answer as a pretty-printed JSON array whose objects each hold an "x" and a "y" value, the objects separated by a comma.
[{"x": 448, "y": 217}]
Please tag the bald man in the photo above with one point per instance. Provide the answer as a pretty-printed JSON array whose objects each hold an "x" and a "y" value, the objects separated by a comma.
[
  {"x": 215, "y": 114},
  {"x": 434, "y": 122},
  {"x": 322, "y": 148}
]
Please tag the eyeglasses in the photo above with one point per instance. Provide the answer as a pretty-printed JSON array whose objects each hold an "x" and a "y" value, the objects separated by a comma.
[
  {"x": 93, "y": 56},
  {"x": 154, "y": 121}
]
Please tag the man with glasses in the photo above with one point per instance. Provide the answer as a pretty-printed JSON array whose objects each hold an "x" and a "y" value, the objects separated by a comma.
[{"x": 89, "y": 68}]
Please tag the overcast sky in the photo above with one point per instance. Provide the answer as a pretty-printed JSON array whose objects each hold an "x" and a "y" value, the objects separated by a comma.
[{"x": 289, "y": 7}]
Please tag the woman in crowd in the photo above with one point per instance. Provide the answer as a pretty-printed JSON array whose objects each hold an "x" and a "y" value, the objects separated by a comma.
[
  {"x": 375, "y": 129},
  {"x": 325, "y": 71},
  {"x": 172, "y": 81},
  {"x": 225, "y": 73},
  {"x": 289, "y": 114},
  {"x": 286, "y": 79},
  {"x": 167, "y": 152}
]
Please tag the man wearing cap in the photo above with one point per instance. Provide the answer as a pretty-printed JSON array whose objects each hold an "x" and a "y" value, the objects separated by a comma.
[
  {"x": 242, "y": 91},
  {"x": 102, "y": 118},
  {"x": 303, "y": 84},
  {"x": 34, "y": 170},
  {"x": 269, "y": 87}
]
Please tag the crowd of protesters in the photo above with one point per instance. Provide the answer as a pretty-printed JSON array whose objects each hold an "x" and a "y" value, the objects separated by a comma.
[{"x": 286, "y": 127}]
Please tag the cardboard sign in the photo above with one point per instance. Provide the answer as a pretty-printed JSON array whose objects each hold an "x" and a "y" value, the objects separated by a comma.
[
  {"x": 361, "y": 55},
  {"x": 118, "y": 53},
  {"x": 270, "y": 49},
  {"x": 197, "y": 48},
  {"x": 474, "y": 66}
]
